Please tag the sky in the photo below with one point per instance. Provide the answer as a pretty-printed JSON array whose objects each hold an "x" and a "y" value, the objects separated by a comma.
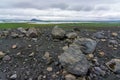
[{"x": 60, "y": 9}]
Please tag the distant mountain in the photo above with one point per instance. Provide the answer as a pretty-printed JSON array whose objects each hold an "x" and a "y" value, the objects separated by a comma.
[{"x": 35, "y": 19}]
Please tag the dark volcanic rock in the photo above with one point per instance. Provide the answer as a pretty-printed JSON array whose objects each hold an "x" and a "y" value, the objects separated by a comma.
[
  {"x": 86, "y": 45},
  {"x": 32, "y": 32},
  {"x": 58, "y": 33},
  {"x": 99, "y": 35},
  {"x": 114, "y": 65},
  {"x": 74, "y": 61}
]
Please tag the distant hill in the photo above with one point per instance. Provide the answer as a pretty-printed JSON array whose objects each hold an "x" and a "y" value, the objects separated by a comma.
[{"x": 35, "y": 19}]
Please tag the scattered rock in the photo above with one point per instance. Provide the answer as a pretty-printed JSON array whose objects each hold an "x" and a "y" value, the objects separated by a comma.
[
  {"x": 71, "y": 35},
  {"x": 86, "y": 45},
  {"x": 114, "y": 65},
  {"x": 13, "y": 77},
  {"x": 103, "y": 40},
  {"x": 114, "y": 34},
  {"x": 99, "y": 35},
  {"x": 70, "y": 77},
  {"x": 22, "y": 30},
  {"x": 74, "y": 61},
  {"x": 65, "y": 47},
  {"x": 112, "y": 42},
  {"x": 99, "y": 71},
  {"x": 49, "y": 69},
  {"x": 101, "y": 53},
  {"x": 32, "y": 32},
  {"x": 47, "y": 55},
  {"x": 2, "y": 54},
  {"x": 6, "y": 58},
  {"x": 90, "y": 56},
  {"x": 32, "y": 54},
  {"x": 58, "y": 33},
  {"x": 14, "y": 46},
  {"x": 14, "y": 35}
]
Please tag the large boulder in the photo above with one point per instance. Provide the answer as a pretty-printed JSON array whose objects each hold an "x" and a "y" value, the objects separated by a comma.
[
  {"x": 99, "y": 35},
  {"x": 86, "y": 45},
  {"x": 58, "y": 33},
  {"x": 114, "y": 65},
  {"x": 71, "y": 35},
  {"x": 32, "y": 32},
  {"x": 74, "y": 61}
]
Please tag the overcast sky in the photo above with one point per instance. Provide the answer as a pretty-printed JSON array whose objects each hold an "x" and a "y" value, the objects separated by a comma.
[{"x": 60, "y": 9}]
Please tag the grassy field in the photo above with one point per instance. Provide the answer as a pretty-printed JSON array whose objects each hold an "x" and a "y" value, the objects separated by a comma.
[{"x": 82, "y": 25}]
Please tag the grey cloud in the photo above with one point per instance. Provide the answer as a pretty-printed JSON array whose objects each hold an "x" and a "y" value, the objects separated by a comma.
[
  {"x": 60, "y": 6},
  {"x": 102, "y": 8},
  {"x": 82, "y": 8}
]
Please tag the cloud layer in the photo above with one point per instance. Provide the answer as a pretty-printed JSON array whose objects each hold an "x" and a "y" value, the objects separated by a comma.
[{"x": 60, "y": 9}]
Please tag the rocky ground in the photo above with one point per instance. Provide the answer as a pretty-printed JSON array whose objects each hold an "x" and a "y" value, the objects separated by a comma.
[{"x": 60, "y": 54}]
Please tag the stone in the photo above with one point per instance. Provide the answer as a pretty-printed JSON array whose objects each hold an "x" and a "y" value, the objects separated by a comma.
[
  {"x": 47, "y": 55},
  {"x": 86, "y": 45},
  {"x": 49, "y": 69},
  {"x": 114, "y": 34},
  {"x": 32, "y": 32},
  {"x": 22, "y": 30},
  {"x": 70, "y": 77},
  {"x": 99, "y": 71},
  {"x": 112, "y": 42},
  {"x": 14, "y": 76},
  {"x": 31, "y": 54},
  {"x": 2, "y": 54},
  {"x": 6, "y": 58},
  {"x": 71, "y": 35},
  {"x": 90, "y": 56},
  {"x": 14, "y": 46},
  {"x": 65, "y": 47},
  {"x": 74, "y": 61},
  {"x": 101, "y": 53},
  {"x": 58, "y": 33},
  {"x": 14, "y": 35},
  {"x": 114, "y": 65},
  {"x": 99, "y": 35}
]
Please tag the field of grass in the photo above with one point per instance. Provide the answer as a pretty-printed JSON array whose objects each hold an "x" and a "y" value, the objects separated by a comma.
[{"x": 65, "y": 25}]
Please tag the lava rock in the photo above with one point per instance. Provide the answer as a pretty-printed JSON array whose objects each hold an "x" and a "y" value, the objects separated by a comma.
[
  {"x": 71, "y": 35},
  {"x": 114, "y": 65},
  {"x": 112, "y": 42},
  {"x": 86, "y": 45},
  {"x": 99, "y": 71},
  {"x": 99, "y": 35},
  {"x": 58, "y": 33},
  {"x": 32, "y": 32},
  {"x": 6, "y": 58},
  {"x": 74, "y": 61}
]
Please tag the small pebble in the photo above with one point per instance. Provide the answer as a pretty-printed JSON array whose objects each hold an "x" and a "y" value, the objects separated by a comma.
[
  {"x": 101, "y": 53},
  {"x": 114, "y": 34},
  {"x": 47, "y": 55},
  {"x": 49, "y": 69},
  {"x": 14, "y": 46},
  {"x": 2, "y": 54},
  {"x": 14, "y": 76},
  {"x": 70, "y": 77}
]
